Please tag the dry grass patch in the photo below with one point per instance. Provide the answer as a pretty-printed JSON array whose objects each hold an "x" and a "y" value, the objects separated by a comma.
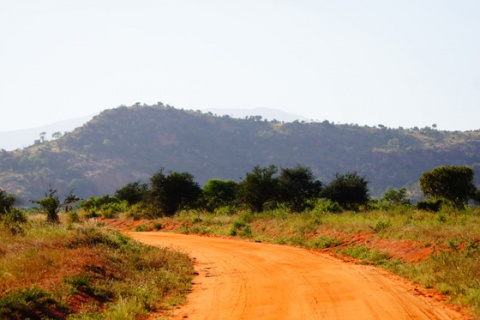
[{"x": 84, "y": 272}]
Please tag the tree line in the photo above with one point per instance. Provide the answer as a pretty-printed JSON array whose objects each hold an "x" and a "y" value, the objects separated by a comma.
[
  {"x": 263, "y": 188},
  {"x": 296, "y": 189}
]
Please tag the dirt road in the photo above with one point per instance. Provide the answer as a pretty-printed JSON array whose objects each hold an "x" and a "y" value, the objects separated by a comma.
[{"x": 247, "y": 280}]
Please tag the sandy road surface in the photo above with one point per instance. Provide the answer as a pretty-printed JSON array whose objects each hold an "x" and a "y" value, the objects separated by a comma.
[{"x": 246, "y": 280}]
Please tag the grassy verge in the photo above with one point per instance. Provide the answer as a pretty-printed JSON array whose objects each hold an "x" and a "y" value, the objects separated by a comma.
[
  {"x": 438, "y": 250},
  {"x": 84, "y": 272}
]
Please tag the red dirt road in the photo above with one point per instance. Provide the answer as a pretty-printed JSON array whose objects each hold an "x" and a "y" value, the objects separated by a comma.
[{"x": 247, "y": 280}]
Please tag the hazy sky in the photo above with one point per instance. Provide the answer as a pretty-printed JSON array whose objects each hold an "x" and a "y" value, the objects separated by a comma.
[{"x": 397, "y": 63}]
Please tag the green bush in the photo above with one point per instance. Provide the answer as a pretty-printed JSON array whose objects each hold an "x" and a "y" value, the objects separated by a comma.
[
  {"x": 141, "y": 228},
  {"x": 366, "y": 254},
  {"x": 30, "y": 303},
  {"x": 13, "y": 220},
  {"x": 225, "y": 210},
  {"x": 433, "y": 205},
  {"x": 381, "y": 225},
  {"x": 73, "y": 217},
  {"x": 325, "y": 242},
  {"x": 142, "y": 211},
  {"x": 323, "y": 206},
  {"x": 236, "y": 226}
]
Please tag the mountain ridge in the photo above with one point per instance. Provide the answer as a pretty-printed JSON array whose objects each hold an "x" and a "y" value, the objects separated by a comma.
[
  {"x": 126, "y": 144},
  {"x": 17, "y": 139}
]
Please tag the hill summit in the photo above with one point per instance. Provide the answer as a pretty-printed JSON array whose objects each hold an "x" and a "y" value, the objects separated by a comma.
[{"x": 126, "y": 144}]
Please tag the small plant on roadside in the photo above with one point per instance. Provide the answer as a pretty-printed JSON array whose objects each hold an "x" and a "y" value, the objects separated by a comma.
[
  {"x": 246, "y": 232},
  {"x": 324, "y": 242},
  {"x": 366, "y": 254},
  {"x": 30, "y": 303},
  {"x": 236, "y": 226},
  {"x": 141, "y": 228},
  {"x": 381, "y": 225}
]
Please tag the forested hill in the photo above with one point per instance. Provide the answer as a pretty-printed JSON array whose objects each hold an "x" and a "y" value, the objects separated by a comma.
[{"x": 130, "y": 143}]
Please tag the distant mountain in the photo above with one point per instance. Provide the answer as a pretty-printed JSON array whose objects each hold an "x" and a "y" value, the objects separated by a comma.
[
  {"x": 131, "y": 143},
  {"x": 265, "y": 113},
  {"x": 18, "y": 139}
]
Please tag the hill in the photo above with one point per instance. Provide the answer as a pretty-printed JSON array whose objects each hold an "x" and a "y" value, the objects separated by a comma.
[
  {"x": 126, "y": 144},
  {"x": 15, "y": 139}
]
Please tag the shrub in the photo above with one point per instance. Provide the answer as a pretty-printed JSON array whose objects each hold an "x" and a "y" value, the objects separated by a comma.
[
  {"x": 73, "y": 217},
  {"x": 433, "y": 205},
  {"x": 325, "y": 242},
  {"x": 323, "y": 206},
  {"x": 381, "y": 225},
  {"x": 236, "y": 226},
  {"x": 13, "y": 220},
  {"x": 30, "y": 303}
]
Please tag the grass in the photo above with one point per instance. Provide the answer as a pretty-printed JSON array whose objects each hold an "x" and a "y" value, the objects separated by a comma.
[
  {"x": 80, "y": 271},
  {"x": 451, "y": 238}
]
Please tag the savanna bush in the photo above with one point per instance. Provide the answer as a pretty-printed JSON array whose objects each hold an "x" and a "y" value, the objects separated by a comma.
[{"x": 325, "y": 205}]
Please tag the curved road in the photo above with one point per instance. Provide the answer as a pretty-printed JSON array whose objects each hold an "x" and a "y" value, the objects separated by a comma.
[{"x": 247, "y": 280}]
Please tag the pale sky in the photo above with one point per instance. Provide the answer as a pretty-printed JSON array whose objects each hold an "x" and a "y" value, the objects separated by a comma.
[{"x": 397, "y": 63}]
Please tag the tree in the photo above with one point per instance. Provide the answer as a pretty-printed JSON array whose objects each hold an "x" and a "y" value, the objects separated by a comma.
[
  {"x": 296, "y": 185},
  {"x": 395, "y": 197},
  {"x": 10, "y": 217},
  {"x": 350, "y": 190},
  {"x": 42, "y": 136},
  {"x": 94, "y": 203},
  {"x": 69, "y": 200},
  {"x": 133, "y": 192},
  {"x": 174, "y": 191},
  {"x": 258, "y": 187},
  {"x": 451, "y": 183},
  {"x": 56, "y": 135},
  {"x": 52, "y": 205},
  {"x": 6, "y": 202},
  {"x": 476, "y": 197},
  {"x": 218, "y": 193}
]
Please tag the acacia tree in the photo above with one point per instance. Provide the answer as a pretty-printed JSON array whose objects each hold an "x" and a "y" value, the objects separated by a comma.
[
  {"x": 174, "y": 191},
  {"x": 296, "y": 185},
  {"x": 451, "y": 183},
  {"x": 258, "y": 187},
  {"x": 349, "y": 190}
]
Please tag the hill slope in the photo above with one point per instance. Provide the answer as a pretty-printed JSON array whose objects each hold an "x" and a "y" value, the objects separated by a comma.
[
  {"x": 15, "y": 139},
  {"x": 129, "y": 143}
]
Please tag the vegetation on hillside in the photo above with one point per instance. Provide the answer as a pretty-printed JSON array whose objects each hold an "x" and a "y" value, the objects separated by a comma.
[{"x": 131, "y": 143}]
